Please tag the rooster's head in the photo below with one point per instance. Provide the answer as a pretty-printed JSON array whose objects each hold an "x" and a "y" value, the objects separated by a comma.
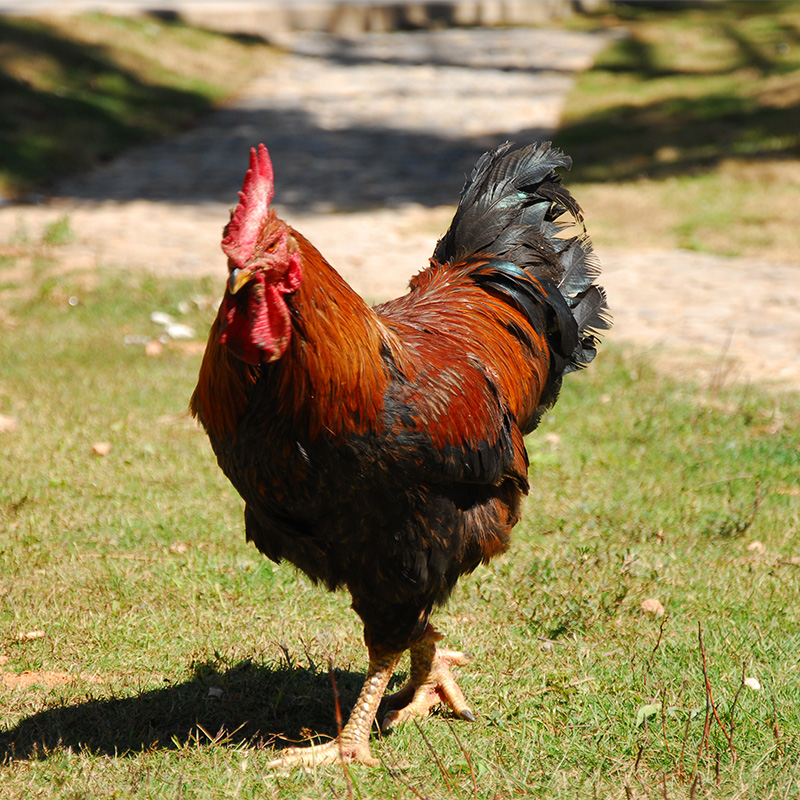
[{"x": 263, "y": 264}]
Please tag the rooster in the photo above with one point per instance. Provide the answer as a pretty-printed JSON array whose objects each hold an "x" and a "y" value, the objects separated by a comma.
[{"x": 380, "y": 450}]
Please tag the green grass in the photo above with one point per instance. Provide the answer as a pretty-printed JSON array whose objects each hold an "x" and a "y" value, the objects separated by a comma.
[
  {"x": 176, "y": 654},
  {"x": 686, "y": 131},
  {"x": 76, "y": 90}
]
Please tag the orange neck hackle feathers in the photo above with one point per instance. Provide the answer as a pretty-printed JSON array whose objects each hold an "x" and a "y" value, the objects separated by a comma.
[
  {"x": 333, "y": 354},
  {"x": 331, "y": 379}
]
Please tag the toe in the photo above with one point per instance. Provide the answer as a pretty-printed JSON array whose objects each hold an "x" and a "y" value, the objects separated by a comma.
[
  {"x": 333, "y": 752},
  {"x": 453, "y": 658},
  {"x": 391, "y": 720}
]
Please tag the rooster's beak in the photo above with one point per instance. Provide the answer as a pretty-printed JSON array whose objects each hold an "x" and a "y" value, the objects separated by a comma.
[{"x": 238, "y": 278}]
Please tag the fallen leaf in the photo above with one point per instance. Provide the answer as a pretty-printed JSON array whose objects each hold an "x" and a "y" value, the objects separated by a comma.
[
  {"x": 647, "y": 711},
  {"x": 553, "y": 439},
  {"x": 752, "y": 683},
  {"x": 7, "y": 424},
  {"x": 3, "y": 660},
  {"x": 756, "y": 547},
  {"x": 101, "y": 448},
  {"x": 653, "y": 606},
  {"x": 179, "y": 547}
]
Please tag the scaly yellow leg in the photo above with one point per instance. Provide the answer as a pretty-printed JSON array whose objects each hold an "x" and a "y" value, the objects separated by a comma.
[
  {"x": 430, "y": 682},
  {"x": 352, "y": 744}
]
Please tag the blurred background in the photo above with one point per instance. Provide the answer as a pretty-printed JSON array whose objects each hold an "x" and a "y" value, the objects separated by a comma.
[{"x": 682, "y": 118}]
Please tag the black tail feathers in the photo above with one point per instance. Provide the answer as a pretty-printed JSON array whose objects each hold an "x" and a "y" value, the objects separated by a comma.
[{"x": 512, "y": 210}]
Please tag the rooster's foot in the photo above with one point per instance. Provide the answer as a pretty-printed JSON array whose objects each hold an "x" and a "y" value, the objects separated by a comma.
[
  {"x": 430, "y": 682},
  {"x": 352, "y": 743},
  {"x": 316, "y": 755}
]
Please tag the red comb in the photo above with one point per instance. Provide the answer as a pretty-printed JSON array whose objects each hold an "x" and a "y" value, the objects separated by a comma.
[{"x": 254, "y": 200}]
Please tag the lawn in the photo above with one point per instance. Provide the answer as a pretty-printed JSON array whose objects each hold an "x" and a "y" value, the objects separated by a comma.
[
  {"x": 78, "y": 89},
  {"x": 640, "y": 638},
  {"x": 686, "y": 133}
]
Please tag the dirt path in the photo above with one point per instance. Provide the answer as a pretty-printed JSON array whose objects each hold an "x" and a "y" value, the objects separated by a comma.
[{"x": 371, "y": 140}]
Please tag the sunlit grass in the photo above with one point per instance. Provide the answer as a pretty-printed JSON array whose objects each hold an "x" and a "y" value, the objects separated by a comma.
[{"x": 148, "y": 651}]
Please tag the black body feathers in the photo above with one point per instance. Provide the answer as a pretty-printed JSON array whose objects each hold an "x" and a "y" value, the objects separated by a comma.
[{"x": 511, "y": 210}]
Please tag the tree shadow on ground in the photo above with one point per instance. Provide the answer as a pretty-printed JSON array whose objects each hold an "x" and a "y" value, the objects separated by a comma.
[
  {"x": 367, "y": 166},
  {"x": 315, "y": 170},
  {"x": 359, "y": 166},
  {"x": 94, "y": 107},
  {"x": 693, "y": 126},
  {"x": 39, "y": 128},
  {"x": 319, "y": 166},
  {"x": 248, "y": 704}
]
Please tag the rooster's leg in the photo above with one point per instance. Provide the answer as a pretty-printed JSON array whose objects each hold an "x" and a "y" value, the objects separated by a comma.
[
  {"x": 430, "y": 682},
  {"x": 352, "y": 744}
]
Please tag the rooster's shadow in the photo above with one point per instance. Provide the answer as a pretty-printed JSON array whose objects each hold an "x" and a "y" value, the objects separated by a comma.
[{"x": 246, "y": 705}]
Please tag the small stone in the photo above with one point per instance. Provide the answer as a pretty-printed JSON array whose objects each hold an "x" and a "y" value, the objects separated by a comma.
[
  {"x": 653, "y": 605},
  {"x": 161, "y": 318},
  {"x": 178, "y": 330}
]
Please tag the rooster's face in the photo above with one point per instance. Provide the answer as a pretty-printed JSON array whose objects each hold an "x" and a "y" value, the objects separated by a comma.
[{"x": 264, "y": 265}]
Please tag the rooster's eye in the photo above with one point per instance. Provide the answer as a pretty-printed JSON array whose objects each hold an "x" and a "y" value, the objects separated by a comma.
[{"x": 271, "y": 247}]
